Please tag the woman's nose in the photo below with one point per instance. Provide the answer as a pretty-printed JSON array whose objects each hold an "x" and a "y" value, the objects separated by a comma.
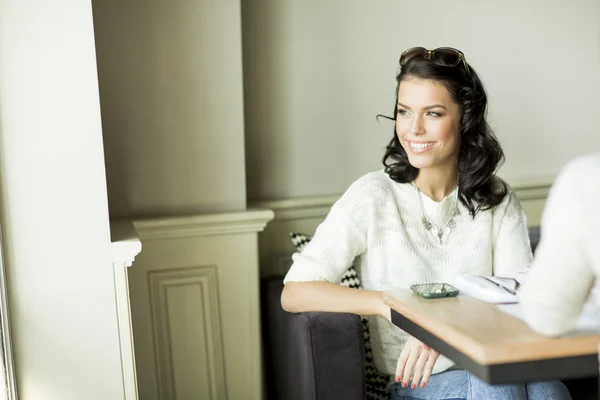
[{"x": 416, "y": 126}]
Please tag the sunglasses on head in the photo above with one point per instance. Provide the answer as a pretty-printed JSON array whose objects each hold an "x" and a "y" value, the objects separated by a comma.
[{"x": 445, "y": 56}]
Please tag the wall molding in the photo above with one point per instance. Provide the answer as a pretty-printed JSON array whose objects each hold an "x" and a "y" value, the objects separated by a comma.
[
  {"x": 319, "y": 206},
  {"x": 193, "y": 289},
  {"x": 532, "y": 189},
  {"x": 124, "y": 247},
  {"x": 201, "y": 283},
  {"x": 125, "y": 243},
  {"x": 248, "y": 221}
]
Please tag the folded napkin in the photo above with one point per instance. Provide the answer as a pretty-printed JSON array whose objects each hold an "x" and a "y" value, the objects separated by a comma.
[{"x": 491, "y": 289}]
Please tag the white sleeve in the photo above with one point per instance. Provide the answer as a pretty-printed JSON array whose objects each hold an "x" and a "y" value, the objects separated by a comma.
[
  {"x": 331, "y": 251},
  {"x": 339, "y": 239},
  {"x": 561, "y": 276},
  {"x": 512, "y": 248}
]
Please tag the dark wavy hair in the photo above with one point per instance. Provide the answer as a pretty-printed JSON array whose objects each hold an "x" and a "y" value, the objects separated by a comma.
[{"x": 480, "y": 153}]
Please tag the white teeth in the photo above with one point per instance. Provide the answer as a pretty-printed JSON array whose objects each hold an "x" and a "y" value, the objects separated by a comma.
[{"x": 421, "y": 145}]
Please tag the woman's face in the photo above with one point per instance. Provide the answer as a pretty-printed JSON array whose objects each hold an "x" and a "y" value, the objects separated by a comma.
[{"x": 428, "y": 124}]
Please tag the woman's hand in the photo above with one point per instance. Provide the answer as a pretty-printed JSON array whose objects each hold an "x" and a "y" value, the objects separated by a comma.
[{"x": 416, "y": 361}]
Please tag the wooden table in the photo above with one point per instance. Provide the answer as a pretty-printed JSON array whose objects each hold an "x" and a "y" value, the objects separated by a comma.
[{"x": 492, "y": 344}]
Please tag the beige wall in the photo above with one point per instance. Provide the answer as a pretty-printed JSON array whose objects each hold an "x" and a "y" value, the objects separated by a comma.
[
  {"x": 54, "y": 209},
  {"x": 317, "y": 73},
  {"x": 172, "y": 105},
  {"x": 315, "y": 76}
]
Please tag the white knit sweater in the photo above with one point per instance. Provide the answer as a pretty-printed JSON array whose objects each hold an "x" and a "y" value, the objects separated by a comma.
[
  {"x": 379, "y": 221},
  {"x": 567, "y": 261}
]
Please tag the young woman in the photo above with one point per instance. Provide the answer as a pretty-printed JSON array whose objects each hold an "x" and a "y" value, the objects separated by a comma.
[{"x": 435, "y": 211}]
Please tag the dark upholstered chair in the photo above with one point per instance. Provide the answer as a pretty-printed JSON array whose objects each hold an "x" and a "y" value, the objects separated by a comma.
[
  {"x": 310, "y": 356},
  {"x": 319, "y": 356}
]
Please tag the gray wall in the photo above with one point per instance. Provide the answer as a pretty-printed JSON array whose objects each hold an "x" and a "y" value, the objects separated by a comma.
[
  {"x": 316, "y": 73},
  {"x": 172, "y": 110}
]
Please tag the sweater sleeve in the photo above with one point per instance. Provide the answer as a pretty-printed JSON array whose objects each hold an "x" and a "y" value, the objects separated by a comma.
[
  {"x": 338, "y": 240},
  {"x": 512, "y": 248},
  {"x": 561, "y": 276}
]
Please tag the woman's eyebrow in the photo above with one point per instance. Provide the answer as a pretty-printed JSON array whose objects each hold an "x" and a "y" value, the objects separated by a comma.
[
  {"x": 434, "y": 106},
  {"x": 424, "y": 108}
]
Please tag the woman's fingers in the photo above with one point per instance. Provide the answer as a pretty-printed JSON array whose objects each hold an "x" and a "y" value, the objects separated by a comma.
[
  {"x": 410, "y": 365},
  {"x": 419, "y": 367},
  {"x": 402, "y": 363},
  {"x": 433, "y": 356},
  {"x": 415, "y": 363}
]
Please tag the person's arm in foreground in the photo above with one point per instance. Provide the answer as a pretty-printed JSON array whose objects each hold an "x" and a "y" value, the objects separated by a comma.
[{"x": 561, "y": 277}]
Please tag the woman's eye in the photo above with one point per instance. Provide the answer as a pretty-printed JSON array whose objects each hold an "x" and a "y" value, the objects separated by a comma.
[
  {"x": 402, "y": 112},
  {"x": 434, "y": 114}
]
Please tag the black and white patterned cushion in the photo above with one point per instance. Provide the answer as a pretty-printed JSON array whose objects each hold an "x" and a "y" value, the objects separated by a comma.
[{"x": 376, "y": 382}]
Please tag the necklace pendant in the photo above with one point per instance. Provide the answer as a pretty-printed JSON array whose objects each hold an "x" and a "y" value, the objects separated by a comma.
[
  {"x": 428, "y": 225},
  {"x": 435, "y": 230}
]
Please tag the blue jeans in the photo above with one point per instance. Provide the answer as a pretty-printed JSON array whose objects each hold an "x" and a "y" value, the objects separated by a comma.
[{"x": 462, "y": 385}]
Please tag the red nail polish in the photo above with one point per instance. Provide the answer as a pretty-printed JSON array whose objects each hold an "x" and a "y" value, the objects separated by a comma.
[
  {"x": 423, "y": 384},
  {"x": 397, "y": 379},
  {"x": 404, "y": 384},
  {"x": 426, "y": 347},
  {"x": 413, "y": 386}
]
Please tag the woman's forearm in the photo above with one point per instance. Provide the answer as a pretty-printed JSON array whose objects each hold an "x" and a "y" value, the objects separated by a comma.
[{"x": 331, "y": 297}]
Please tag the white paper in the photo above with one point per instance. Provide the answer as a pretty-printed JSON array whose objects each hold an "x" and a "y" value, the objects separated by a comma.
[{"x": 481, "y": 288}]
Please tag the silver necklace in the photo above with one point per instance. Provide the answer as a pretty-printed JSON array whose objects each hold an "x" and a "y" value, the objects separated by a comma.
[{"x": 432, "y": 227}]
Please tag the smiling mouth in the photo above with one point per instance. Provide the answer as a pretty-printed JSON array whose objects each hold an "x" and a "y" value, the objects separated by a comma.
[{"x": 419, "y": 146}]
